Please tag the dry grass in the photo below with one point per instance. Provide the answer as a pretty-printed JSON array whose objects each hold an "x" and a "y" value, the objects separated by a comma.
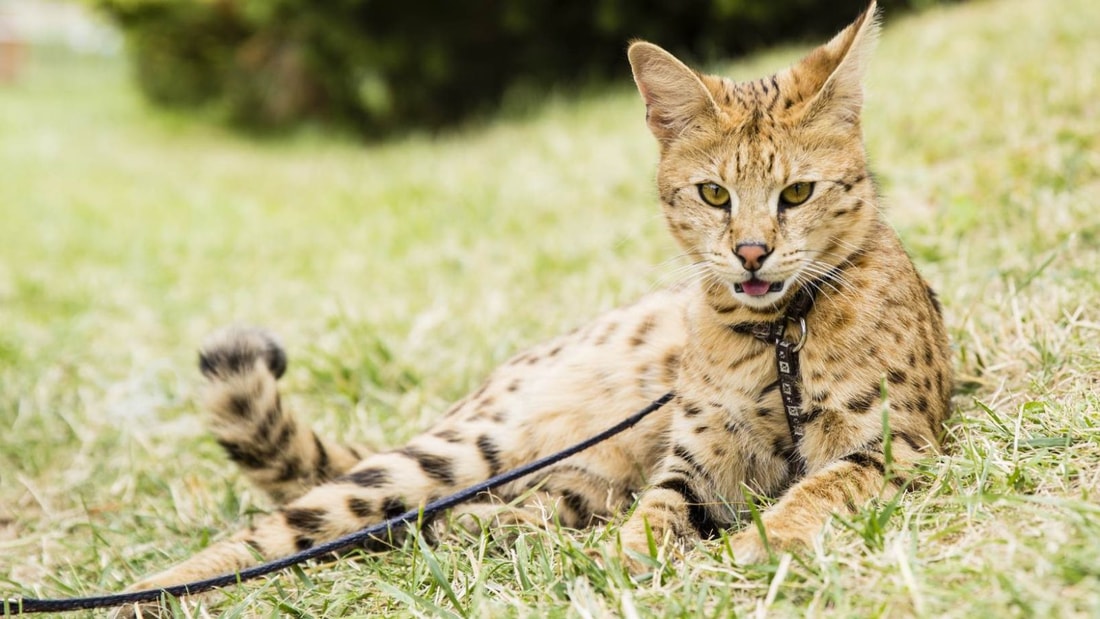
[{"x": 398, "y": 274}]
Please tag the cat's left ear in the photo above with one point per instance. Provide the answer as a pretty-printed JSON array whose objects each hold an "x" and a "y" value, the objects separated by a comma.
[
  {"x": 836, "y": 69},
  {"x": 674, "y": 95}
]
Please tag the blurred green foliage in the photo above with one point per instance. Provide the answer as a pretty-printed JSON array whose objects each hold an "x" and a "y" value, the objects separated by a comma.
[{"x": 377, "y": 65}]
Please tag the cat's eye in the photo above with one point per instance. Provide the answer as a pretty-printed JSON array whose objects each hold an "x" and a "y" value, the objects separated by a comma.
[
  {"x": 714, "y": 194},
  {"x": 793, "y": 195}
]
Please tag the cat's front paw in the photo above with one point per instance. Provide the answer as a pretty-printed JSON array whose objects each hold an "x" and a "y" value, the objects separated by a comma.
[
  {"x": 635, "y": 562},
  {"x": 635, "y": 552},
  {"x": 751, "y": 549},
  {"x": 748, "y": 548}
]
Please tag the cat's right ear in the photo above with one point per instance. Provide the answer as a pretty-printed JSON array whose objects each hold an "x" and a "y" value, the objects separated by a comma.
[{"x": 674, "y": 95}]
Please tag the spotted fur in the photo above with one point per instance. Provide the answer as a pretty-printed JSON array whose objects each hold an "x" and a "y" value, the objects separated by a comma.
[{"x": 875, "y": 342}]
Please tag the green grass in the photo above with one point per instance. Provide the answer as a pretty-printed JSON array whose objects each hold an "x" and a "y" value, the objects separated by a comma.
[{"x": 399, "y": 274}]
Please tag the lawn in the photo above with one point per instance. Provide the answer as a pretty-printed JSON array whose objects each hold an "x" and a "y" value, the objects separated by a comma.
[{"x": 398, "y": 274}]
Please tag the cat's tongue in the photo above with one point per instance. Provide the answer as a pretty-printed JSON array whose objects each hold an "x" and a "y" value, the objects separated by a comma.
[{"x": 755, "y": 287}]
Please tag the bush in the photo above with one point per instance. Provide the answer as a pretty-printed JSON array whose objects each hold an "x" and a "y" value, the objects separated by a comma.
[{"x": 377, "y": 65}]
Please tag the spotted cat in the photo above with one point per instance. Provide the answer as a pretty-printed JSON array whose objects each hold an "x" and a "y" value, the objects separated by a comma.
[{"x": 765, "y": 186}]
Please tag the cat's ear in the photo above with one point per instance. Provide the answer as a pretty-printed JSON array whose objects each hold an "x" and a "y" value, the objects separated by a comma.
[
  {"x": 674, "y": 95},
  {"x": 835, "y": 71}
]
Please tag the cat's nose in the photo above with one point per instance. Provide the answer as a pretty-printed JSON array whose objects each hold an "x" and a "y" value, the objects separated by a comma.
[{"x": 752, "y": 255}]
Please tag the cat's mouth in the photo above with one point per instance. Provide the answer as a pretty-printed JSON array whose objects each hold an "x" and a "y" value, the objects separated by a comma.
[{"x": 755, "y": 287}]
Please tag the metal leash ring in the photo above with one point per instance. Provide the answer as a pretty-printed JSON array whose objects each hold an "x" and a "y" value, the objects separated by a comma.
[{"x": 803, "y": 334}]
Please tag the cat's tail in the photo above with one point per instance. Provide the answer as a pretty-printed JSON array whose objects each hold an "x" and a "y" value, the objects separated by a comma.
[{"x": 279, "y": 454}]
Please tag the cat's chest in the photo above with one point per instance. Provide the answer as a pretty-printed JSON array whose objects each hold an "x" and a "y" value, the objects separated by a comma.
[
  {"x": 739, "y": 376},
  {"x": 728, "y": 370}
]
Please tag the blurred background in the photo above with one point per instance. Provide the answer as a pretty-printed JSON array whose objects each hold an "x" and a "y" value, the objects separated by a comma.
[{"x": 376, "y": 66}]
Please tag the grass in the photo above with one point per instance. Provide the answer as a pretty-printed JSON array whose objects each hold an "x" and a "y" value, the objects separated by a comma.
[{"x": 399, "y": 274}]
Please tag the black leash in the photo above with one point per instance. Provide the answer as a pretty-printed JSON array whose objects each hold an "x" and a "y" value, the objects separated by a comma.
[{"x": 34, "y": 605}]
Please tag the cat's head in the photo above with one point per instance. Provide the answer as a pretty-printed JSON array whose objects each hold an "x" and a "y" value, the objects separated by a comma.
[{"x": 764, "y": 183}]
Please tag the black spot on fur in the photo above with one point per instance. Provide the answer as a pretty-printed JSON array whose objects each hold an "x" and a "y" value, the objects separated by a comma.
[
  {"x": 811, "y": 414},
  {"x": 922, "y": 403},
  {"x": 282, "y": 440},
  {"x": 239, "y": 357},
  {"x": 782, "y": 449},
  {"x": 644, "y": 328},
  {"x": 671, "y": 367},
  {"x": 360, "y": 507},
  {"x": 371, "y": 477},
  {"x": 393, "y": 507},
  {"x": 908, "y": 439},
  {"x": 291, "y": 469},
  {"x": 864, "y": 460},
  {"x": 896, "y": 377},
  {"x": 862, "y": 403},
  {"x": 736, "y": 426},
  {"x": 242, "y": 455},
  {"x": 701, "y": 429},
  {"x": 490, "y": 452},
  {"x": 698, "y": 516},
  {"x": 450, "y": 436},
  {"x": 692, "y": 410},
  {"x": 322, "y": 455},
  {"x": 240, "y": 405},
  {"x": 439, "y": 468},
  {"x": 684, "y": 454},
  {"x": 305, "y": 519},
  {"x": 578, "y": 505},
  {"x": 935, "y": 300},
  {"x": 301, "y": 542},
  {"x": 268, "y": 421},
  {"x": 768, "y": 388}
]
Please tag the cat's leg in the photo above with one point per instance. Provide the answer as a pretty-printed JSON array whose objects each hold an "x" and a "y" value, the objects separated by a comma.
[
  {"x": 280, "y": 455},
  {"x": 577, "y": 493},
  {"x": 687, "y": 500},
  {"x": 697, "y": 488},
  {"x": 839, "y": 486}
]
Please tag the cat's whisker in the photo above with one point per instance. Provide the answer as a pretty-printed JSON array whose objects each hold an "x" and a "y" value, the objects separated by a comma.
[
  {"x": 865, "y": 201},
  {"x": 687, "y": 274},
  {"x": 826, "y": 276}
]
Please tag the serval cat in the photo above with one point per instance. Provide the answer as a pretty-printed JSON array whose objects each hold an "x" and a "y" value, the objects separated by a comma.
[{"x": 765, "y": 185}]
